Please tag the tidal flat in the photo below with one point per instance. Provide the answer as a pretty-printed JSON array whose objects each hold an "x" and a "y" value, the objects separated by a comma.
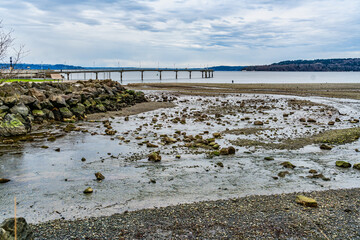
[{"x": 50, "y": 171}]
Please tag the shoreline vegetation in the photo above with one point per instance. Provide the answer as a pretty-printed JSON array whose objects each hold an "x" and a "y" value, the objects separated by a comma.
[{"x": 262, "y": 217}]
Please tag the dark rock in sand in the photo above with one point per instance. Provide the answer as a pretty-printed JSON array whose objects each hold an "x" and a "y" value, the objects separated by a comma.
[{"x": 99, "y": 176}]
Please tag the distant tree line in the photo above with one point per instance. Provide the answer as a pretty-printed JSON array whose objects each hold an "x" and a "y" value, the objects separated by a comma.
[{"x": 318, "y": 65}]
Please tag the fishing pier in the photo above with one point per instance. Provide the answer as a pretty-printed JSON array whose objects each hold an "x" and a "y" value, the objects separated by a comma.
[{"x": 205, "y": 73}]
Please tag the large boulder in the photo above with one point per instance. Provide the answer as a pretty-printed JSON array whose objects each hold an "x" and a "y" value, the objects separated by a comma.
[
  {"x": 25, "y": 99},
  {"x": 20, "y": 109},
  {"x": 58, "y": 100},
  {"x": 38, "y": 94},
  {"x": 65, "y": 112},
  {"x": 12, "y": 126},
  {"x": 79, "y": 110},
  {"x": 23, "y": 230}
]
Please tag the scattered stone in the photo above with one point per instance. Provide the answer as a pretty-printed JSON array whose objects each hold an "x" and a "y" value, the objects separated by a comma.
[
  {"x": 357, "y": 166},
  {"x": 310, "y": 120},
  {"x": 268, "y": 158},
  {"x": 220, "y": 164},
  {"x": 83, "y": 159},
  {"x": 288, "y": 165},
  {"x": 151, "y": 145},
  {"x": 88, "y": 190},
  {"x": 306, "y": 201},
  {"x": 312, "y": 171},
  {"x": 283, "y": 174},
  {"x": 57, "y": 149},
  {"x": 99, "y": 176},
  {"x": 4, "y": 180},
  {"x": 152, "y": 180},
  {"x": 178, "y": 156},
  {"x": 331, "y": 123},
  {"x": 342, "y": 164},
  {"x": 224, "y": 151},
  {"x": 258, "y": 123},
  {"x": 326, "y": 147},
  {"x": 154, "y": 157},
  {"x": 23, "y": 230},
  {"x": 216, "y": 135},
  {"x": 231, "y": 150}
]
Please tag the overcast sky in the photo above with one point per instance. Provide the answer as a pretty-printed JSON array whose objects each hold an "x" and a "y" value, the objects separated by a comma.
[{"x": 190, "y": 33}]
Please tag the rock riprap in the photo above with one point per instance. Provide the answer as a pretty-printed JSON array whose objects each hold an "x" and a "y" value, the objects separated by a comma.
[
  {"x": 24, "y": 103},
  {"x": 7, "y": 229}
]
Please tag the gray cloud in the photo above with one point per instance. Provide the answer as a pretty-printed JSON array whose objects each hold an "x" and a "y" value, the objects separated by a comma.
[{"x": 227, "y": 31}]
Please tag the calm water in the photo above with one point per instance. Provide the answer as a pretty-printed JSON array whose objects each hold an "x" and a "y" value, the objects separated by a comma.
[{"x": 227, "y": 77}]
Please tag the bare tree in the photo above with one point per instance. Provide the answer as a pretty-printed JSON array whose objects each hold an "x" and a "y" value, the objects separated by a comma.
[{"x": 6, "y": 45}]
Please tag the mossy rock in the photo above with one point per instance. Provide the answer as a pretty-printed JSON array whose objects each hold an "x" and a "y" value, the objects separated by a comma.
[
  {"x": 12, "y": 126},
  {"x": 357, "y": 166},
  {"x": 215, "y": 153},
  {"x": 100, "y": 108},
  {"x": 342, "y": 164},
  {"x": 288, "y": 165},
  {"x": 38, "y": 113},
  {"x": 306, "y": 201},
  {"x": 65, "y": 112},
  {"x": 79, "y": 110}
]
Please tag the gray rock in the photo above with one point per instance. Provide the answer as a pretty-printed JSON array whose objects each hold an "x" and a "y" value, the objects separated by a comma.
[
  {"x": 11, "y": 100},
  {"x": 58, "y": 100},
  {"x": 4, "y": 108},
  {"x": 20, "y": 109},
  {"x": 12, "y": 126},
  {"x": 25, "y": 99},
  {"x": 36, "y": 93},
  {"x": 23, "y": 230}
]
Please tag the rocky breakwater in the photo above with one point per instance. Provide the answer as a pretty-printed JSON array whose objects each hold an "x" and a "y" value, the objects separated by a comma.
[{"x": 24, "y": 104}]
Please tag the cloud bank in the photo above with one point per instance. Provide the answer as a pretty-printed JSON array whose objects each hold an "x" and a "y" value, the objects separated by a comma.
[{"x": 190, "y": 33}]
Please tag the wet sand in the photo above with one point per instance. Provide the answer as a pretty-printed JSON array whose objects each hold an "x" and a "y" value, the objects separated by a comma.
[{"x": 340, "y": 90}]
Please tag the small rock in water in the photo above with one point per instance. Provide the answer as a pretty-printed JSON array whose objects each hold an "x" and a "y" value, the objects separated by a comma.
[
  {"x": 342, "y": 164},
  {"x": 306, "y": 201},
  {"x": 152, "y": 180},
  {"x": 4, "y": 180},
  {"x": 154, "y": 157},
  {"x": 325, "y": 147},
  {"x": 312, "y": 171},
  {"x": 99, "y": 176},
  {"x": 283, "y": 173},
  {"x": 231, "y": 150},
  {"x": 288, "y": 165},
  {"x": 357, "y": 166},
  {"x": 178, "y": 156},
  {"x": 268, "y": 158},
  {"x": 220, "y": 164},
  {"x": 83, "y": 159},
  {"x": 57, "y": 149},
  {"x": 258, "y": 123},
  {"x": 88, "y": 190}
]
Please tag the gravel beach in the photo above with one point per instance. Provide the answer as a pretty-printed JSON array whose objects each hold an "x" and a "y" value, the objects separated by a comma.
[{"x": 252, "y": 217}]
